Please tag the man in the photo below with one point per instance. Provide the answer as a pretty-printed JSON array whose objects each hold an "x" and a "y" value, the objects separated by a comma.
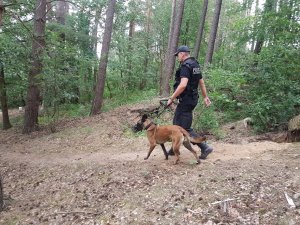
[{"x": 187, "y": 79}]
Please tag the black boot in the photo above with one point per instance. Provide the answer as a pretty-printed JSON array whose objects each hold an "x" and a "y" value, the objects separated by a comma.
[
  {"x": 171, "y": 152},
  {"x": 205, "y": 150}
]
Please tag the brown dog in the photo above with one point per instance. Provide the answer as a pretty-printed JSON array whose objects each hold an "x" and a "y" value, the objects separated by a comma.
[{"x": 167, "y": 133}]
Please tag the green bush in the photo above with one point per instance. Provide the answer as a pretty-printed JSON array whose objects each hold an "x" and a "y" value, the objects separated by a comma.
[{"x": 275, "y": 88}]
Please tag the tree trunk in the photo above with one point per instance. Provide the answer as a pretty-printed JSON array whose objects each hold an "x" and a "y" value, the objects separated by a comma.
[
  {"x": 200, "y": 29},
  {"x": 268, "y": 7},
  {"x": 1, "y": 194},
  {"x": 50, "y": 13},
  {"x": 255, "y": 25},
  {"x": 95, "y": 30},
  {"x": 172, "y": 23},
  {"x": 98, "y": 99},
  {"x": 170, "y": 58},
  {"x": 146, "y": 60},
  {"x": 62, "y": 10},
  {"x": 3, "y": 98},
  {"x": 1, "y": 12},
  {"x": 130, "y": 43},
  {"x": 213, "y": 33},
  {"x": 33, "y": 91}
]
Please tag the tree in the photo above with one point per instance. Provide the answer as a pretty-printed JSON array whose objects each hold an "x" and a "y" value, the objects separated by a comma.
[
  {"x": 62, "y": 10},
  {"x": 33, "y": 90},
  {"x": 1, "y": 194},
  {"x": 200, "y": 29},
  {"x": 95, "y": 29},
  {"x": 262, "y": 30},
  {"x": 1, "y": 11},
  {"x": 3, "y": 98},
  {"x": 174, "y": 33},
  {"x": 98, "y": 99},
  {"x": 213, "y": 32}
]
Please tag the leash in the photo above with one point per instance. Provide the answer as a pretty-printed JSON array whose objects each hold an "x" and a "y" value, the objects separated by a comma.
[{"x": 163, "y": 103}]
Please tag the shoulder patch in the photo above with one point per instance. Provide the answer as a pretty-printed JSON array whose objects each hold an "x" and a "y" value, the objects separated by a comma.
[{"x": 196, "y": 70}]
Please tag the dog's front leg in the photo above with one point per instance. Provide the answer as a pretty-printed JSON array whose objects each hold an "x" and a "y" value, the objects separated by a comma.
[
  {"x": 149, "y": 152},
  {"x": 165, "y": 151}
]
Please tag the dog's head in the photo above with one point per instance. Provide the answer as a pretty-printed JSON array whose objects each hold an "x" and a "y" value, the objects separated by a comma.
[{"x": 141, "y": 124}]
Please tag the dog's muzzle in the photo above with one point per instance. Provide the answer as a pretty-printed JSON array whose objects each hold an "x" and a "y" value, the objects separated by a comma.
[{"x": 138, "y": 127}]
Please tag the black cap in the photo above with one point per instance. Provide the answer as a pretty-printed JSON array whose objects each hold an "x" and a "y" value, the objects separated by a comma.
[{"x": 182, "y": 48}]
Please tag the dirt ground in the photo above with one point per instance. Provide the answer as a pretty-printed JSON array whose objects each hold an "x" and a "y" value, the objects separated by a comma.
[{"x": 92, "y": 171}]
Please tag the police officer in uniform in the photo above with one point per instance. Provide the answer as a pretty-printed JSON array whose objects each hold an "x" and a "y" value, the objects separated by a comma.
[{"x": 187, "y": 79}]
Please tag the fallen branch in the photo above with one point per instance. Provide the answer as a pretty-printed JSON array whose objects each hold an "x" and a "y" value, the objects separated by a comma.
[
  {"x": 78, "y": 212},
  {"x": 192, "y": 211},
  {"x": 290, "y": 200},
  {"x": 226, "y": 200}
]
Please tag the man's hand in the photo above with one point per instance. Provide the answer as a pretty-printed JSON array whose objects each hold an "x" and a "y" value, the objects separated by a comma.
[
  {"x": 207, "y": 101},
  {"x": 170, "y": 101}
]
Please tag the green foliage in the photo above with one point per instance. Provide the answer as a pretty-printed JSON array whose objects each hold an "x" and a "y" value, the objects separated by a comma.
[
  {"x": 226, "y": 92},
  {"x": 275, "y": 96},
  {"x": 205, "y": 118},
  {"x": 128, "y": 97}
]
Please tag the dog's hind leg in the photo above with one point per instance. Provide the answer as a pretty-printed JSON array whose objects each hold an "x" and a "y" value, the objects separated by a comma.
[
  {"x": 186, "y": 143},
  {"x": 149, "y": 152},
  {"x": 165, "y": 151},
  {"x": 176, "y": 146}
]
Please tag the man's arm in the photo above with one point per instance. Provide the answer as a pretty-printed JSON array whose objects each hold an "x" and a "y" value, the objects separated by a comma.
[
  {"x": 204, "y": 93},
  {"x": 181, "y": 87}
]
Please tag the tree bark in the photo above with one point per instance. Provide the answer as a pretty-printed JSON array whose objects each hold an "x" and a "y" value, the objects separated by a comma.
[
  {"x": 169, "y": 62},
  {"x": 163, "y": 70},
  {"x": 268, "y": 7},
  {"x": 33, "y": 91},
  {"x": 200, "y": 29},
  {"x": 62, "y": 10},
  {"x": 98, "y": 99},
  {"x": 95, "y": 30},
  {"x": 1, "y": 12},
  {"x": 50, "y": 13},
  {"x": 3, "y": 98},
  {"x": 1, "y": 194},
  {"x": 213, "y": 33},
  {"x": 143, "y": 80}
]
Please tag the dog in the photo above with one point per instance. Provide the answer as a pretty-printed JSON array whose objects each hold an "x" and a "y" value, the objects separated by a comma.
[{"x": 159, "y": 134}]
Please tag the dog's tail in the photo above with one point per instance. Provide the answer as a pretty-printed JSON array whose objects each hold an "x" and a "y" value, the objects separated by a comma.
[{"x": 197, "y": 140}]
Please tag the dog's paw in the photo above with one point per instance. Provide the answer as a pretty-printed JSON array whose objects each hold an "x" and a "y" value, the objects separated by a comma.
[{"x": 145, "y": 158}]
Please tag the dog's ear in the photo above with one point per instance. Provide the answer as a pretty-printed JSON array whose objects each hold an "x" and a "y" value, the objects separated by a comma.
[{"x": 144, "y": 117}]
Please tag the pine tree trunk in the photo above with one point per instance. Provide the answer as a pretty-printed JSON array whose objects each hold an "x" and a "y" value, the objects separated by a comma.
[
  {"x": 130, "y": 43},
  {"x": 3, "y": 99},
  {"x": 146, "y": 60},
  {"x": 1, "y": 194},
  {"x": 33, "y": 91},
  {"x": 170, "y": 58},
  {"x": 200, "y": 29},
  {"x": 163, "y": 70},
  {"x": 1, "y": 12},
  {"x": 50, "y": 13},
  {"x": 62, "y": 10},
  {"x": 95, "y": 30},
  {"x": 268, "y": 7},
  {"x": 213, "y": 33},
  {"x": 98, "y": 99}
]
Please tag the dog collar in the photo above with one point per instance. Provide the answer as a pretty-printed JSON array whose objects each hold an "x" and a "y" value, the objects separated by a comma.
[{"x": 149, "y": 125}]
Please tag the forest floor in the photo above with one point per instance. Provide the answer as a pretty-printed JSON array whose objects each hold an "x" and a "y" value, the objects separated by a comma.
[{"x": 92, "y": 171}]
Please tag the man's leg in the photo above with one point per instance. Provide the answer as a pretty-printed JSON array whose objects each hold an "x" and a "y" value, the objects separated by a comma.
[{"x": 183, "y": 117}]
